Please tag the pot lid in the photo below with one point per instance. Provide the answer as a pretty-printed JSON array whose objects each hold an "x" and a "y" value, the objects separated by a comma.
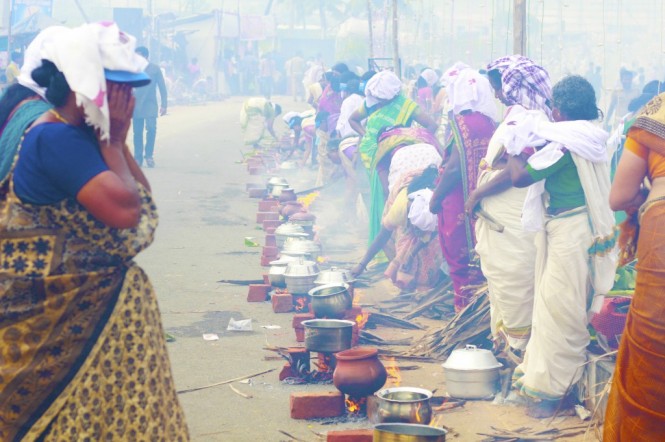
[
  {"x": 471, "y": 358},
  {"x": 283, "y": 261},
  {"x": 334, "y": 275},
  {"x": 301, "y": 268},
  {"x": 288, "y": 229},
  {"x": 300, "y": 245},
  {"x": 278, "y": 181}
]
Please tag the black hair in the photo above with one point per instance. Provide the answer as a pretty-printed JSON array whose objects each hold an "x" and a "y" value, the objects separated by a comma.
[
  {"x": 48, "y": 76},
  {"x": 494, "y": 76},
  {"x": 335, "y": 84},
  {"x": 347, "y": 76},
  {"x": 367, "y": 75},
  {"x": 421, "y": 82},
  {"x": 424, "y": 180},
  {"x": 353, "y": 86},
  {"x": 575, "y": 98},
  {"x": 650, "y": 90},
  {"x": 333, "y": 144},
  {"x": 12, "y": 96},
  {"x": 143, "y": 51},
  {"x": 340, "y": 67},
  {"x": 321, "y": 117},
  {"x": 278, "y": 109}
]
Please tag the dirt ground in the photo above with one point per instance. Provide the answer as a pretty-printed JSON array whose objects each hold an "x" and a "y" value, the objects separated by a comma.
[{"x": 205, "y": 215}]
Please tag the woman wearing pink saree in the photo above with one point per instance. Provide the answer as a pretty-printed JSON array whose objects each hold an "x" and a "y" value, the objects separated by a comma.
[{"x": 471, "y": 125}]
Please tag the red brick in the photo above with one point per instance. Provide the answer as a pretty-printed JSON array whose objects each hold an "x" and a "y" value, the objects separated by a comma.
[
  {"x": 282, "y": 302},
  {"x": 256, "y": 170},
  {"x": 298, "y": 319},
  {"x": 286, "y": 372},
  {"x": 258, "y": 292},
  {"x": 271, "y": 240},
  {"x": 350, "y": 436},
  {"x": 318, "y": 404},
  {"x": 274, "y": 223},
  {"x": 266, "y": 280},
  {"x": 300, "y": 334},
  {"x": 265, "y": 216},
  {"x": 268, "y": 205},
  {"x": 267, "y": 259}
]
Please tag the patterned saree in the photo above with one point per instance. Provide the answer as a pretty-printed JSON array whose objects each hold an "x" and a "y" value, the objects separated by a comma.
[{"x": 83, "y": 353}]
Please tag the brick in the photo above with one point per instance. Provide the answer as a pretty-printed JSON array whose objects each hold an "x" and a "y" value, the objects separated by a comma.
[
  {"x": 286, "y": 372},
  {"x": 266, "y": 280},
  {"x": 274, "y": 223},
  {"x": 271, "y": 240},
  {"x": 365, "y": 435},
  {"x": 267, "y": 259},
  {"x": 298, "y": 319},
  {"x": 268, "y": 205},
  {"x": 258, "y": 292},
  {"x": 256, "y": 170},
  {"x": 265, "y": 216},
  {"x": 300, "y": 334},
  {"x": 299, "y": 357},
  {"x": 318, "y": 404},
  {"x": 282, "y": 303}
]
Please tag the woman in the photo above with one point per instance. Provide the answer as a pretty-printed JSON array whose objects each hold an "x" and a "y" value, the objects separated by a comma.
[
  {"x": 507, "y": 252},
  {"x": 424, "y": 93},
  {"x": 636, "y": 410},
  {"x": 257, "y": 115},
  {"x": 576, "y": 256},
  {"x": 472, "y": 123},
  {"x": 385, "y": 106},
  {"x": 84, "y": 355},
  {"x": 417, "y": 261}
]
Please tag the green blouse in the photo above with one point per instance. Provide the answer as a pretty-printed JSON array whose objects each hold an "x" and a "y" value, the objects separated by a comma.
[{"x": 562, "y": 182}]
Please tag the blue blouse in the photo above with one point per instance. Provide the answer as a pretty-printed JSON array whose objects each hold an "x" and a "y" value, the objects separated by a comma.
[{"x": 55, "y": 161}]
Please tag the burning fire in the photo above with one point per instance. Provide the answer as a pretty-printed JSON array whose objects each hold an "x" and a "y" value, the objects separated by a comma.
[
  {"x": 362, "y": 319},
  {"x": 419, "y": 418},
  {"x": 393, "y": 371},
  {"x": 322, "y": 259},
  {"x": 324, "y": 363},
  {"x": 355, "y": 406},
  {"x": 308, "y": 199},
  {"x": 300, "y": 303}
]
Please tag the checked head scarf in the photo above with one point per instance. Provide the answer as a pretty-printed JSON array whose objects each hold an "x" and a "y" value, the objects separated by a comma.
[{"x": 524, "y": 82}]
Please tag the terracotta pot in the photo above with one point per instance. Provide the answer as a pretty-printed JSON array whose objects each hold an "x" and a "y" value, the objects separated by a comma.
[
  {"x": 287, "y": 194},
  {"x": 290, "y": 208},
  {"x": 359, "y": 372}
]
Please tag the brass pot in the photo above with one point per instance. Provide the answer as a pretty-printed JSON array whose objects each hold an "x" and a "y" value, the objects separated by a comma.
[
  {"x": 404, "y": 404},
  {"x": 330, "y": 300},
  {"x": 408, "y": 433}
]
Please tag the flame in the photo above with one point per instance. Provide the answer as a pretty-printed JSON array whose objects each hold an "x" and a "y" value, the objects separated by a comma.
[
  {"x": 419, "y": 418},
  {"x": 307, "y": 200},
  {"x": 324, "y": 363},
  {"x": 322, "y": 259},
  {"x": 362, "y": 319},
  {"x": 354, "y": 406},
  {"x": 393, "y": 371},
  {"x": 300, "y": 304}
]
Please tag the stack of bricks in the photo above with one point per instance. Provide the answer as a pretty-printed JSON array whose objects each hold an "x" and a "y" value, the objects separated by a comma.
[{"x": 297, "y": 321}]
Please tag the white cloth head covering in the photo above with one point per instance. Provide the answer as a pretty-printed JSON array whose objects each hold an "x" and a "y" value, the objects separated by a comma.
[
  {"x": 289, "y": 116},
  {"x": 383, "y": 86},
  {"x": 82, "y": 54},
  {"x": 469, "y": 90},
  {"x": 430, "y": 76},
  {"x": 419, "y": 213}
]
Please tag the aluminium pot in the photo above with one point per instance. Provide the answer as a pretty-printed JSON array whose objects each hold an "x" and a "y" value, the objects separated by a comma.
[
  {"x": 407, "y": 405},
  {"x": 328, "y": 335},
  {"x": 334, "y": 275},
  {"x": 277, "y": 269},
  {"x": 330, "y": 300},
  {"x": 408, "y": 433},
  {"x": 300, "y": 276},
  {"x": 472, "y": 373}
]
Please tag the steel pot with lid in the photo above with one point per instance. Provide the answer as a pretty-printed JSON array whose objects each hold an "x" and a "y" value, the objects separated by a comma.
[
  {"x": 301, "y": 247},
  {"x": 276, "y": 185},
  {"x": 277, "y": 269},
  {"x": 334, "y": 275},
  {"x": 300, "y": 275},
  {"x": 408, "y": 433},
  {"x": 472, "y": 373},
  {"x": 289, "y": 230}
]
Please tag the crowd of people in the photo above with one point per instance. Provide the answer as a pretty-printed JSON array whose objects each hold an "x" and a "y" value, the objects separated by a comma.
[{"x": 523, "y": 203}]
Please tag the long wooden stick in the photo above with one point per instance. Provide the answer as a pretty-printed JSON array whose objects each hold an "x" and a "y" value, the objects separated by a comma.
[{"x": 216, "y": 384}]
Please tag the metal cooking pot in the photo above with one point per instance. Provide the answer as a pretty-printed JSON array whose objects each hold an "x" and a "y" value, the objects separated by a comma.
[
  {"x": 472, "y": 373},
  {"x": 328, "y": 335},
  {"x": 330, "y": 300},
  {"x": 300, "y": 276},
  {"x": 302, "y": 247},
  {"x": 277, "y": 269},
  {"x": 408, "y": 433},
  {"x": 275, "y": 185},
  {"x": 334, "y": 276},
  {"x": 404, "y": 404},
  {"x": 288, "y": 230}
]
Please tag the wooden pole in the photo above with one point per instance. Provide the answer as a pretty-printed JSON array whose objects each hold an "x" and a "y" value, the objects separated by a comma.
[
  {"x": 398, "y": 69},
  {"x": 9, "y": 31},
  {"x": 519, "y": 27},
  {"x": 371, "y": 30}
]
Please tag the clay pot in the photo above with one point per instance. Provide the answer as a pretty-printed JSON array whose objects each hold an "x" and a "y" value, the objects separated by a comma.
[
  {"x": 359, "y": 372},
  {"x": 287, "y": 194},
  {"x": 290, "y": 208}
]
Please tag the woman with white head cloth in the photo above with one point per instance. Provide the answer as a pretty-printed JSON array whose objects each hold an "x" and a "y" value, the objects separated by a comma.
[
  {"x": 424, "y": 94},
  {"x": 85, "y": 354},
  {"x": 472, "y": 122},
  {"x": 385, "y": 106},
  {"x": 507, "y": 257}
]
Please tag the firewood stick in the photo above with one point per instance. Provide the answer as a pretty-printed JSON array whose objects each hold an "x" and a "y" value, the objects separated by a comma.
[
  {"x": 216, "y": 384},
  {"x": 240, "y": 393}
]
